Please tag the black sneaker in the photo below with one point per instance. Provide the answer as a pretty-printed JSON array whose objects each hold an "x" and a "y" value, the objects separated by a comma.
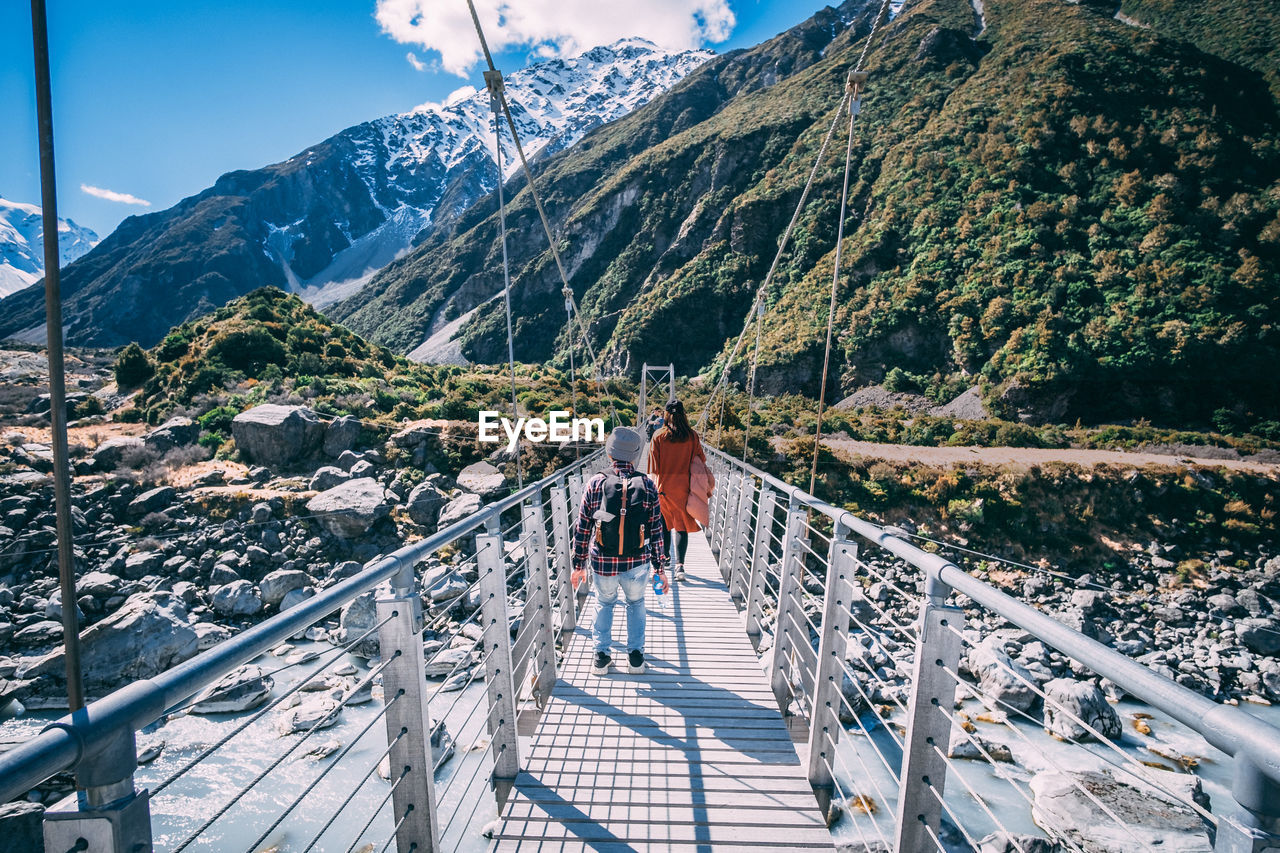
[
  {"x": 601, "y": 664},
  {"x": 635, "y": 662}
]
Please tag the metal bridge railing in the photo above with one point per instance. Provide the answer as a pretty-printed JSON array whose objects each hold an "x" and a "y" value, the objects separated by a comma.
[
  {"x": 868, "y": 661},
  {"x": 522, "y": 573}
]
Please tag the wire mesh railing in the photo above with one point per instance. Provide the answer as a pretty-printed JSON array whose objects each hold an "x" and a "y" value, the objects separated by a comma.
[
  {"x": 459, "y": 657},
  {"x": 942, "y": 714}
]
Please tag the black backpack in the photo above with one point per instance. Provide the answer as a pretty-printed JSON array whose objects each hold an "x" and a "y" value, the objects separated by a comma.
[{"x": 622, "y": 518}]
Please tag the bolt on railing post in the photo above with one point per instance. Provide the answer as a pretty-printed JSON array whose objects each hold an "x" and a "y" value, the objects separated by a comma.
[
  {"x": 824, "y": 728},
  {"x": 109, "y": 813},
  {"x": 759, "y": 556},
  {"x": 543, "y": 651},
  {"x": 1258, "y": 830},
  {"x": 739, "y": 557},
  {"x": 409, "y": 728},
  {"x": 728, "y": 545},
  {"x": 788, "y": 603},
  {"x": 933, "y": 691},
  {"x": 563, "y": 534},
  {"x": 497, "y": 653}
]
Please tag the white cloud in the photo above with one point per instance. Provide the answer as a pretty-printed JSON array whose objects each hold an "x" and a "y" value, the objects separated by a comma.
[
  {"x": 550, "y": 27},
  {"x": 112, "y": 195},
  {"x": 418, "y": 64}
]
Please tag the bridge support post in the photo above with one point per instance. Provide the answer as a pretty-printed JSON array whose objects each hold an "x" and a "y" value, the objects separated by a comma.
[
  {"x": 924, "y": 770},
  {"x": 789, "y": 611},
  {"x": 404, "y": 687},
  {"x": 109, "y": 814},
  {"x": 739, "y": 559},
  {"x": 759, "y": 555},
  {"x": 716, "y": 531},
  {"x": 538, "y": 601},
  {"x": 563, "y": 533},
  {"x": 1260, "y": 832},
  {"x": 497, "y": 655},
  {"x": 728, "y": 544},
  {"x": 824, "y": 729}
]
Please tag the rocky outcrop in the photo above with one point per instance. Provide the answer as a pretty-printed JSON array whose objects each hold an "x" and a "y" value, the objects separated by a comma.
[
  {"x": 1064, "y": 809},
  {"x": 142, "y": 639},
  {"x": 277, "y": 435},
  {"x": 349, "y": 509},
  {"x": 173, "y": 433}
]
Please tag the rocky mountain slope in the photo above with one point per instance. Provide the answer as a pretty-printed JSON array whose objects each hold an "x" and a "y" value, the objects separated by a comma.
[
  {"x": 1081, "y": 213},
  {"x": 322, "y": 221},
  {"x": 22, "y": 245}
]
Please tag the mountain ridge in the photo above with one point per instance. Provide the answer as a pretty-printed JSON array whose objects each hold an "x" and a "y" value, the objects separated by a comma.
[
  {"x": 340, "y": 208},
  {"x": 22, "y": 244}
]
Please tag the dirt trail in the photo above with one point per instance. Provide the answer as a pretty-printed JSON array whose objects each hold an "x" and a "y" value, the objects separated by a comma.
[{"x": 1028, "y": 456}]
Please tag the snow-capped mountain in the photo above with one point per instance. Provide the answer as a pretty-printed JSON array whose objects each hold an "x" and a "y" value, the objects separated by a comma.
[
  {"x": 22, "y": 245},
  {"x": 322, "y": 222},
  {"x": 408, "y": 161}
]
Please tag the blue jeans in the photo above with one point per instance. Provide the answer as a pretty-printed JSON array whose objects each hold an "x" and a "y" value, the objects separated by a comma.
[{"x": 633, "y": 584}]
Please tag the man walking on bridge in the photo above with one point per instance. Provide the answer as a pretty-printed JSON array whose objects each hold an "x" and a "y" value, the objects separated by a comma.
[{"x": 619, "y": 529}]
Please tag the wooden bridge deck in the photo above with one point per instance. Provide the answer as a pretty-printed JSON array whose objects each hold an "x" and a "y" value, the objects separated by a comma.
[{"x": 691, "y": 755}]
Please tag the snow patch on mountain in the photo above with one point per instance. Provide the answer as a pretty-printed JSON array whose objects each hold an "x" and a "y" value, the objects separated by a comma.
[
  {"x": 408, "y": 161},
  {"x": 22, "y": 245}
]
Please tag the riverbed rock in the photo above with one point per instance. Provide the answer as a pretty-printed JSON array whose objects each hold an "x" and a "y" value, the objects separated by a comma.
[
  {"x": 277, "y": 435},
  {"x": 482, "y": 479},
  {"x": 240, "y": 690},
  {"x": 317, "y": 711},
  {"x": 20, "y": 827},
  {"x": 358, "y": 617},
  {"x": 1003, "y": 680},
  {"x": 1260, "y": 635},
  {"x": 350, "y": 509},
  {"x": 146, "y": 636},
  {"x": 446, "y": 661},
  {"x": 98, "y": 584},
  {"x": 1150, "y": 822},
  {"x": 1009, "y": 842},
  {"x": 237, "y": 598},
  {"x": 1068, "y": 700},
  {"x": 276, "y": 585}
]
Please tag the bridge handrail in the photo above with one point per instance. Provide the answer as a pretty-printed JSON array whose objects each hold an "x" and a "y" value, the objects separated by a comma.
[
  {"x": 1237, "y": 733},
  {"x": 65, "y": 744}
]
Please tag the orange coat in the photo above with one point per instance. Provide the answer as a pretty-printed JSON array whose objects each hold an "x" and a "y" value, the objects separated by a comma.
[{"x": 669, "y": 464}]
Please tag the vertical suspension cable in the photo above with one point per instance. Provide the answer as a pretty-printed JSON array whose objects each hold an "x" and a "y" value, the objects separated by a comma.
[
  {"x": 494, "y": 81},
  {"x": 573, "y": 377},
  {"x": 751, "y": 384},
  {"x": 852, "y": 97}
]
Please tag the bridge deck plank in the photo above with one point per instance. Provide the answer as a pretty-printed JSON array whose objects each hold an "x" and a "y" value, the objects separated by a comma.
[{"x": 692, "y": 754}]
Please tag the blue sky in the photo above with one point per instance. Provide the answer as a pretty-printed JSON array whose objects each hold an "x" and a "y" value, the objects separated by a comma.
[{"x": 154, "y": 100}]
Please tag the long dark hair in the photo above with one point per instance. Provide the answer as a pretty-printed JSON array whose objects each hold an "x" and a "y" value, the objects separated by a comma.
[{"x": 677, "y": 424}]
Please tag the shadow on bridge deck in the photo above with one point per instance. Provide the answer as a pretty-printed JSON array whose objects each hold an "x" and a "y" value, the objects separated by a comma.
[{"x": 691, "y": 755}]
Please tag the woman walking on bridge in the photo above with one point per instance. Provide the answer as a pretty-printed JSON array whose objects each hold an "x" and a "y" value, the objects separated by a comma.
[{"x": 671, "y": 455}]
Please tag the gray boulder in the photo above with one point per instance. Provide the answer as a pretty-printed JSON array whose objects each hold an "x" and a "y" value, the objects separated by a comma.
[
  {"x": 357, "y": 617},
  {"x": 142, "y": 639},
  {"x": 294, "y": 597},
  {"x": 1068, "y": 700},
  {"x": 277, "y": 584},
  {"x": 20, "y": 827},
  {"x": 173, "y": 433},
  {"x": 237, "y": 598},
  {"x": 240, "y": 690},
  {"x": 327, "y": 477},
  {"x": 277, "y": 435},
  {"x": 110, "y": 454},
  {"x": 458, "y": 509},
  {"x": 341, "y": 436},
  {"x": 98, "y": 584},
  {"x": 319, "y": 712},
  {"x": 482, "y": 479},
  {"x": 425, "y": 503},
  {"x": 1148, "y": 820},
  {"x": 1002, "y": 679},
  {"x": 1260, "y": 635},
  {"x": 143, "y": 563},
  {"x": 350, "y": 509},
  {"x": 153, "y": 500}
]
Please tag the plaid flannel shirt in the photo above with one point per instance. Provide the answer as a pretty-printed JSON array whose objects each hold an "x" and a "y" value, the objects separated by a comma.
[{"x": 585, "y": 545}]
